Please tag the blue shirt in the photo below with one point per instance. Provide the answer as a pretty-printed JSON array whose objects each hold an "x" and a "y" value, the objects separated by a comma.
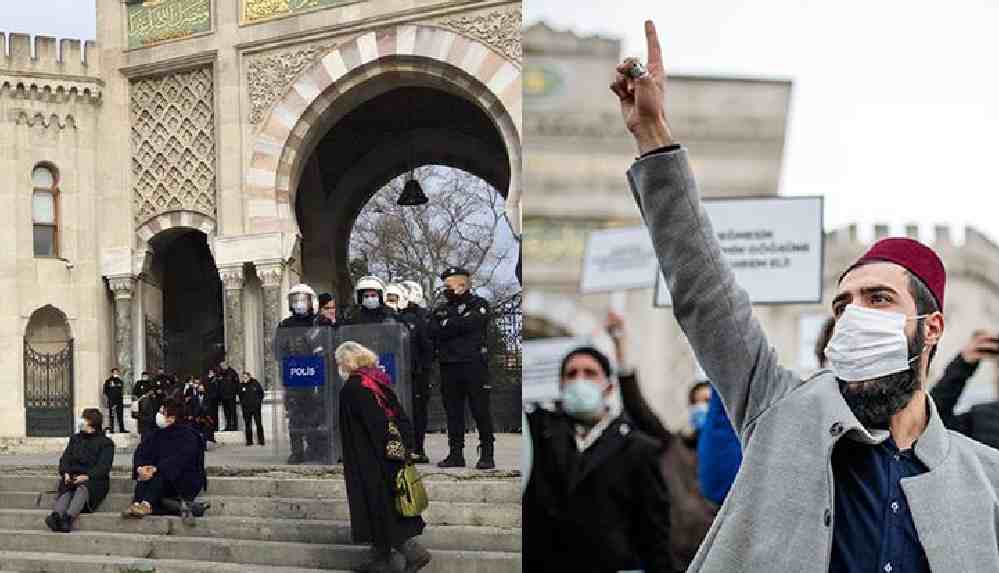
[
  {"x": 873, "y": 530},
  {"x": 718, "y": 452}
]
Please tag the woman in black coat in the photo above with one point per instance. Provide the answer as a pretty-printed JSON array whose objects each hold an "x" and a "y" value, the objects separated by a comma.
[
  {"x": 84, "y": 472},
  {"x": 367, "y": 405}
]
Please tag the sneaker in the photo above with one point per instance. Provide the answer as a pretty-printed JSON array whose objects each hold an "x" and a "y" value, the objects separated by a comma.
[
  {"x": 137, "y": 510},
  {"x": 186, "y": 516}
]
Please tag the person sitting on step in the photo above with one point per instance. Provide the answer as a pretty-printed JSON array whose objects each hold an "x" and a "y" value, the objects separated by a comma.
[
  {"x": 170, "y": 464},
  {"x": 84, "y": 472}
]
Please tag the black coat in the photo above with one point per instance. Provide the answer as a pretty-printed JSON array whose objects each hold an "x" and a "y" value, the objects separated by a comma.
[
  {"x": 251, "y": 395},
  {"x": 178, "y": 452},
  {"x": 421, "y": 346},
  {"x": 458, "y": 328},
  {"x": 604, "y": 510},
  {"x": 981, "y": 422},
  {"x": 358, "y": 314},
  {"x": 114, "y": 390},
  {"x": 93, "y": 455},
  {"x": 213, "y": 391},
  {"x": 369, "y": 476},
  {"x": 229, "y": 384},
  {"x": 148, "y": 407},
  {"x": 141, "y": 387}
]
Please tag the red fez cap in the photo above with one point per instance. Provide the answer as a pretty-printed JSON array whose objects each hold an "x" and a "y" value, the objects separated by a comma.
[{"x": 912, "y": 255}]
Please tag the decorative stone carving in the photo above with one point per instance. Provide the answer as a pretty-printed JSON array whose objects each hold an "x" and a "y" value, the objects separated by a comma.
[
  {"x": 173, "y": 143},
  {"x": 232, "y": 279},
  {"x": 269, "y": 74},
  {"x": 270, "y": 277},
  {"x": 26, "y": 117},
  {"x": 123, "y": 287},
  {"x": 260, "y": 10},
  {"x": 155, "y": 21},
  {"x": 500, "y": 30}
]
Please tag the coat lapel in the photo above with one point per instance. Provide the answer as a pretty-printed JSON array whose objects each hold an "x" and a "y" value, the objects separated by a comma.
[{"x": 609, "y": 443}]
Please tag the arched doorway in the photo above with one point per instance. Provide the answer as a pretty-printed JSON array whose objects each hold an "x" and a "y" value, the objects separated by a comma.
[
  {"x": 48, "y": 374},
  {"x": 184, "y": 271}
]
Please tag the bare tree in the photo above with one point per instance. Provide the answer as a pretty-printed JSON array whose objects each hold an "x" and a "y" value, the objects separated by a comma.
[{"x": 458, "y": 227}]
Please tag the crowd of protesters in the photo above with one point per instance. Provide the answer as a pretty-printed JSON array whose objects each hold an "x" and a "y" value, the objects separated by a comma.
[{"x": 857, "y": 466}]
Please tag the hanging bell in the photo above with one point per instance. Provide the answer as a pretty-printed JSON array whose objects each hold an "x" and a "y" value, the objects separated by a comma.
[{"x": 412, "y": 194}]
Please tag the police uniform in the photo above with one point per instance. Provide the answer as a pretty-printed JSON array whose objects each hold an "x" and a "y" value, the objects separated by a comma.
[
  {"x": 306, "y": 406},
  {"x": 458, "y": 327},
  {"x": 416, "y": 318}
]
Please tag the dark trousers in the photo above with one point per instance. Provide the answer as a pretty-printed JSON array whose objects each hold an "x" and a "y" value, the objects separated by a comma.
[
  {"x": 154, "y": 490},
  {"x": 461, "y": 381},
  {"x": 117, "y": 411},
  {"x": 421, "y": 397},
  {"x": 250, "y": 415},
  {"x": 213, "y": 413},
  {"x": 229, "y": 407}
]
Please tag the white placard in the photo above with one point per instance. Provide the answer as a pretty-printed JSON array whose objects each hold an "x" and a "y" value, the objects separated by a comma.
[
  {"x": 618, "y": 259},
  {"x": 774, "y": 246},
  {"x": 542, "y": 359}
]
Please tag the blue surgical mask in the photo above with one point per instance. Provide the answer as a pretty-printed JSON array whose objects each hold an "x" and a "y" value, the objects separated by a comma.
[
  {"x": 698, "y": 414},
  {"x": 583, "y": 399},
  {"x": 371, "y": 302}
]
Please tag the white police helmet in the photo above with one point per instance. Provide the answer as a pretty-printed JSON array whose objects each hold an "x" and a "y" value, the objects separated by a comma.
[
  {"x": 370, "y": 282},
  {"x": 414, "y": 293},
  {"x": 396, "y": 289},
  {"x": 302, "y": 300}
]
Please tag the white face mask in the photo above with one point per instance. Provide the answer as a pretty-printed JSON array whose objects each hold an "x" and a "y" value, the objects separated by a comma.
[
  {"x": 583, "y": 398},
  {"x": 370, "y": 302},
  {"x": 81, "y": 425},
  {"x": 299, "y": 307},
  {"x": 868, "y": 343},
  {"x": 160, "y": 420}
]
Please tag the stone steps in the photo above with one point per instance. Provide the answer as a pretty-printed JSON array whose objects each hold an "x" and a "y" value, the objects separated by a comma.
[
  {"x": 330, "y": 532},
  {"x": 268, "y": 520},
  {"x": 210, "y": 551}
]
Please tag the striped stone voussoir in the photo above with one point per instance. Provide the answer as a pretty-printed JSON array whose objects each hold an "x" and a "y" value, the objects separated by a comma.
[
  {"x": 175, "y": 219},
  {"x": 485, "y": 75}
]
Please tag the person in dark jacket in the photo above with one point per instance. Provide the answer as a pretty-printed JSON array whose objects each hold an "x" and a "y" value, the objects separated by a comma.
[
  {"x": 691, "y": 515},
  {"x": 228, "y": 390},
  {"x": 596, "y": 499},
  {"x": 367, "y": 406},
  {"x": 169, "y": 464},
  {"x": 196, "y": 411},
  {"x": 114, "y": 393},
  {"x": 142, "y": 386},
  {"x": 251, "y": 398},
  {"x": 149, "y": 405},
  {"x": 458, "y": 327},
  {"x": 307, "y": 412},
  {"x": 84, "y": 472},
  {"x": 418, "y": 317},
  {"x": 213, "y": 397},
  {"x": 981, "y": 422}
]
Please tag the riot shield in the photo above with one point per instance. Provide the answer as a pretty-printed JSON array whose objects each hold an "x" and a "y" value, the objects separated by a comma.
[
  {"x": 390, "y": 341},
  {"x": 304, "y": 412}
]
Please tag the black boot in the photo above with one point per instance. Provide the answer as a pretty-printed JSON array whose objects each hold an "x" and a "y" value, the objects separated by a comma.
[
  {"x": 419, "y": 458},
  {"x": 455, "y": 459},
  {"x": 54, "y": 521},
  {"x": 486, "y": 461},
  {"x": 65, "y": 523},
  {"x": 417, "y": 556}
]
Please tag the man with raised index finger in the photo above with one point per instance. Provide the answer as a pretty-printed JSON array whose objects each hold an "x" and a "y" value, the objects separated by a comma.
[{"x": 853, "y": 471}]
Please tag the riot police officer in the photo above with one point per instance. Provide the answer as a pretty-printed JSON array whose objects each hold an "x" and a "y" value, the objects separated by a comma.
[
  {"x": 369, "y": 307},
  {"x": 421, "y": 351},
  {"x": 306, "y": 406},
  {"x": 458, "y": 326}
]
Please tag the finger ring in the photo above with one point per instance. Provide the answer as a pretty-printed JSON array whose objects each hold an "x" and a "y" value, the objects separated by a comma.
[{"x": 637, "y": 70}]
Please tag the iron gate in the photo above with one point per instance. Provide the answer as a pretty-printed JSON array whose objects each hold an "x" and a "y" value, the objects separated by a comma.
[
  {"x": 506, "y": 362},
  {"x": 48, "y": 391}
]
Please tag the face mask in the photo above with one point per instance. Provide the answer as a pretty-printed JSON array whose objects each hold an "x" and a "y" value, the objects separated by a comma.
[
  {"x": 81, "y": 425},
  {"x": 583, "y": 399},
  {"x": 450, "y": 294},
  {"x": 370, "y": 302},
  {"x": 160, "y": 420},
  {"x": 697, "y": 414},
  {"x": 868, "y": 343},
  {"x": 299, "y": 307}
]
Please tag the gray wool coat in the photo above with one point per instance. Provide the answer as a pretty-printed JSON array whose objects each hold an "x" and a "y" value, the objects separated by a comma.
[{"x": 779, "y": 514}]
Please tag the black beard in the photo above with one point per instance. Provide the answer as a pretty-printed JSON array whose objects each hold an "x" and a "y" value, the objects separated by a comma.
[{"x": 875, "y": 401}]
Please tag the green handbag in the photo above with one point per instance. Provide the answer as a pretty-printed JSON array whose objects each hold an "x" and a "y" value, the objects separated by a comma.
[{"x": 410, "y": 495}]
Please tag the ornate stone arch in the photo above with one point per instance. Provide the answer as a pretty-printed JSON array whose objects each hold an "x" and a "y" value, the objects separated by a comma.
[
  {"x": 171, "y": 220},
  {"x": 450, "y": 60}
]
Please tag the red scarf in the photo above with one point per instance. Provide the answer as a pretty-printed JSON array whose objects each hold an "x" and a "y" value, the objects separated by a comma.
[{"x": 378, "y": 382}]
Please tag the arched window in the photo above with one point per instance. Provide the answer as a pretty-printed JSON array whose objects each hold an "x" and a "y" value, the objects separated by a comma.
[{"x": 44, "y": 213}]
